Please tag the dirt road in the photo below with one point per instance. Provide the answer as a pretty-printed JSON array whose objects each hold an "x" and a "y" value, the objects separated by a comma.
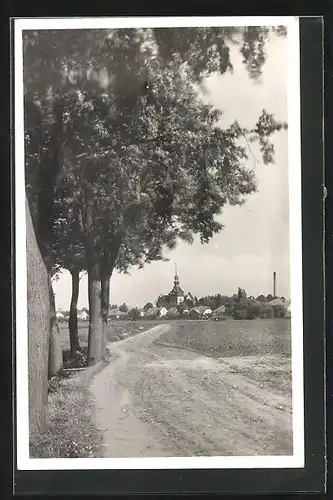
[{"x": 162, "y": 401}]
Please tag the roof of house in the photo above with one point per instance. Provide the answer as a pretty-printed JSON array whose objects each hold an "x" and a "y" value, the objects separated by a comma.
[
  {"x": 276, "y": 302},
  {"x": 203, "y": 309},
  {"x": 220, "y": 309},
  {"x": 115, "y": 312}
]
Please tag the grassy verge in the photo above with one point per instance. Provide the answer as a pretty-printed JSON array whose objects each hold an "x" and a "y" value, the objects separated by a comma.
[{"x": 70, "y": 431}]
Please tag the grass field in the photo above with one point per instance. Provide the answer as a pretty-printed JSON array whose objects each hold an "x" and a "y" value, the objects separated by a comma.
[
  {"x": 212, "y": 338},
  {"x": 232, "y": 338},
  {"x": 258, "y": 349},
  {"x": 117, "y": 330}
]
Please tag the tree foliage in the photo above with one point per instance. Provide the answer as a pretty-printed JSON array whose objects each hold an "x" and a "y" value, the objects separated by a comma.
[
  {"x": 123, "y": 308},
  {"x": 117, "y": 131}
]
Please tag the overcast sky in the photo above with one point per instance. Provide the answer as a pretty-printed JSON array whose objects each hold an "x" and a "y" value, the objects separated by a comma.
[{"x": 255, "y": 240}]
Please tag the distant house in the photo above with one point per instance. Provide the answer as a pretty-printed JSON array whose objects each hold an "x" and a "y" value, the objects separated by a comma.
[
  {"x": 141, "y": 313},
  {"x": 115, "y": 314},
  {"x": 189, "y": 298},
  {"x": 194, "y": 313},
  {"x": 82, "y": 315},
  {"x": 186, "y": 312},
  {"x": 220, "y": 313},
  {"x": 163, "y": 312},
  {"x": 240, "y": 312},
  {"x": 200, "y": 312},
  {"x": 279, "y": 307},
  {"x": 276, "y": 302},
  {"x": 60, "y": 315},
  {"x": 206, "y": 312}
]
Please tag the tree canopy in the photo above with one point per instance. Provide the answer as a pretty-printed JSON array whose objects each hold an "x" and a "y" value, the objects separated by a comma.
[{"x": 123, "y": 157}]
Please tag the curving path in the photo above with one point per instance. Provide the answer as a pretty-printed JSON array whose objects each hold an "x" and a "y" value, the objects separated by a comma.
[{"x": 154, "y": 400}]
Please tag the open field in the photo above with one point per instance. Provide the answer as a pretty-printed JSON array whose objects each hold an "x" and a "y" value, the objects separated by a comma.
[
  {"x": 231, "y": 338},
  {"x": 184, "y": 388},
  {"x": 117, "y": 330}
]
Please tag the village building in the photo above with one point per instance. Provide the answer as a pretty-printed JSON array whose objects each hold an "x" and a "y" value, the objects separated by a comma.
[
  {"x": 176, "y": 295},
  {"x": 194, "y": 313},
  {"x": 163, "y": 312},
  {"x": 220, "y": 313},
  {"x": 82, "y": 315},
  {"x": 279, "y": 307},
  {"x": 141, "y": 313},
  {"x": 200, "y": 312},
  {"x": 114, "y": 314}
]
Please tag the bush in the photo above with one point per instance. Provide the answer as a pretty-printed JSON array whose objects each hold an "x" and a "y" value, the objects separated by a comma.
[{"x": 79, "y": 361}]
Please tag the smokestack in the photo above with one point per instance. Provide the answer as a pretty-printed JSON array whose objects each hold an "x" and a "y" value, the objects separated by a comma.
[{"x": 274, "y": 284}]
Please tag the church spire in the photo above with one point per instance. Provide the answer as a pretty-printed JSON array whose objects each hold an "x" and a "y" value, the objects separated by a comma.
[
  {"x": 176, "y": 294},
  {"x": 176, "y": 280}
]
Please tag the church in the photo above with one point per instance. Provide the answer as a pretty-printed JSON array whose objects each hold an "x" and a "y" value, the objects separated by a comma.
[{"x": 176, "y": 295}]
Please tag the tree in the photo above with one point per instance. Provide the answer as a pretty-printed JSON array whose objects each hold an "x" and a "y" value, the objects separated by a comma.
[
  {"x": 163, "y": 301},
  {"x": 261, "y": 298},
  {"x": 181, "y": 308},
  {"x": 135, "y": 94},
  {"x": 269, "y": 297},
  {"x": 68, "y": 253},
  {"x": 38, "y": 329},
  {"x": 148, "y": 306},
  {"x": 189, "y": 301},
  {"x": 123, "y": 308},
  {"x": 42, "y": 169},
  {"x": 241, "y": 294},
  {"x": 134, "y": 313}
]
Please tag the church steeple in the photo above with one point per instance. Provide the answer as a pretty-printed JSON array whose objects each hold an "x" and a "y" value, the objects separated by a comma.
[
  {"x": 176, "y": 279},
  {"x": 176, "y": 294}
]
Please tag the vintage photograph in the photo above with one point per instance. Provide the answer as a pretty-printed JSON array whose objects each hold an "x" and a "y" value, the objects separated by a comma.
[{"x": 157, "y": 177}]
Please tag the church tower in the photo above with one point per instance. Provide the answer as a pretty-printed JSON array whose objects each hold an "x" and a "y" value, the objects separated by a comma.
[{"x": 176, "y": 294}]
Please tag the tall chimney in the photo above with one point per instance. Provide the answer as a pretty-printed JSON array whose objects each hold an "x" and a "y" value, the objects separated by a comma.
[{"x": 274, "y": 284}]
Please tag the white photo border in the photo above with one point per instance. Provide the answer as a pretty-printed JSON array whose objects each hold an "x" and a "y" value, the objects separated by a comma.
[{"x": 23, "y": 461}]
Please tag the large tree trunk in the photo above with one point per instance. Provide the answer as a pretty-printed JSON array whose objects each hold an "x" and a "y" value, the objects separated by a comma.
[
  {"x": 108, "y": 259},
  {"x": 55, "y": 350},
  {"x": 48, "y": 170},
  {"x": 72, "y": 323},
  {"x": 105, "y": 290},
  {"x": 38, "y": 307},
  {"x": 95, "y": 312}
]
